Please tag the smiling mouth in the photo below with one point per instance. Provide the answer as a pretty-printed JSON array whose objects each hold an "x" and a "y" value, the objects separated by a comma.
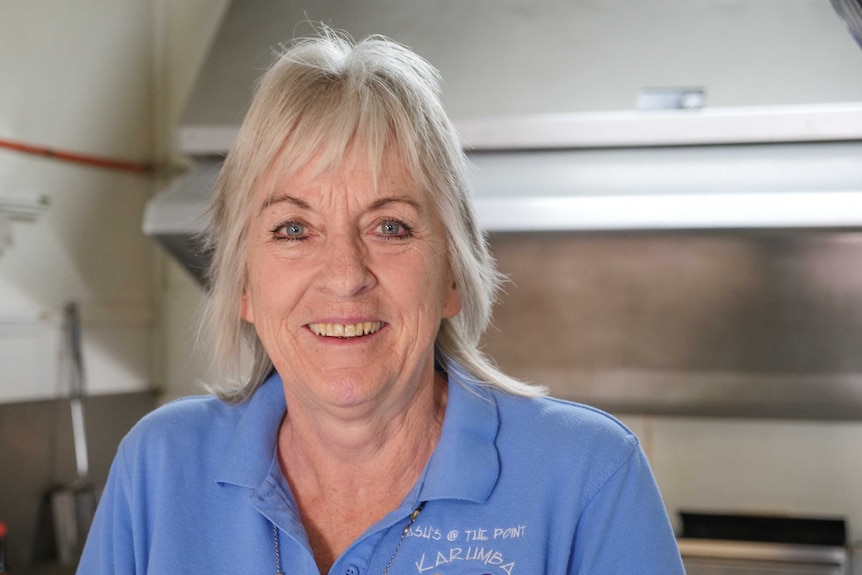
[{"x": 345, "y": 331}]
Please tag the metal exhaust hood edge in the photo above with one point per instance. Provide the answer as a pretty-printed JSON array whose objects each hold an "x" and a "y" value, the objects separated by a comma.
[{"x": 781, "y": 167}]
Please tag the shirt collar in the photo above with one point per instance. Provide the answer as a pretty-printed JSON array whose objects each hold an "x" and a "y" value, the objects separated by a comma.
[
  {"x": 465, "y": 464},
  {"x": 249, "y": 455}
]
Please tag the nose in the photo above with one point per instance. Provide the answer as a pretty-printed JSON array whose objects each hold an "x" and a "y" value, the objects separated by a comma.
[{"x": 346, "y": 272}]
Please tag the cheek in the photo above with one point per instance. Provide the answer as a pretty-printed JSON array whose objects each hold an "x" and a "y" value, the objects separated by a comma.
[
  {"x": 254, "y": 297},
  {"x": 446, "y": 293},
  {"x": 273, "y": 293},
  {"x": 253, "y": 292}
]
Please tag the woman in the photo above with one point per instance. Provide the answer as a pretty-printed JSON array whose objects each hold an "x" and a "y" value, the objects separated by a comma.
[{"x": 373, "y": 436}]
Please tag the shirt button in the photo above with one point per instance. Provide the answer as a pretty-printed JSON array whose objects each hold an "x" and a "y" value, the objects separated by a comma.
[{"x": 352, "y": 570}]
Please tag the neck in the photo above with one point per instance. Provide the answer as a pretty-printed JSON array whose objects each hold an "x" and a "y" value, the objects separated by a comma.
[
  {"x": 336, "y": 449},
  {"x": 346, "y": 473}
]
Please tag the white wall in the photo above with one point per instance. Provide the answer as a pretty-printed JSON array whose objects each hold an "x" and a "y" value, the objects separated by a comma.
[
  {"x": 108, "y": 78},
  {"x": 76, "y": 76}
]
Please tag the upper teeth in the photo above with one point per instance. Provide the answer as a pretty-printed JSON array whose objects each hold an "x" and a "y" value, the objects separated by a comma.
[{"x": 345, "y": 330}]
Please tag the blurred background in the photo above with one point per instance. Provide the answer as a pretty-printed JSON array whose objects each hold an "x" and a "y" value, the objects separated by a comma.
[{"x": 673, "y": 187}]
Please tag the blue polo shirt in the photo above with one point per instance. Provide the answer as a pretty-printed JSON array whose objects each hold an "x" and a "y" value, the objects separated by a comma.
[{"x": 516, "y": 486}]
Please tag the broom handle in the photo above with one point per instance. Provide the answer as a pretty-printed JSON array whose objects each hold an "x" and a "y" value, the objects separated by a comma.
[{"x": 79, "y": 433}]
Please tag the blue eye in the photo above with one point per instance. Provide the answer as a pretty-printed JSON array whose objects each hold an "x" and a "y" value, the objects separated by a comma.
[
  {"x": 290, "y": 231},
  {"x": 294, "y": 229},
  {"x": 392, "y": 228}
]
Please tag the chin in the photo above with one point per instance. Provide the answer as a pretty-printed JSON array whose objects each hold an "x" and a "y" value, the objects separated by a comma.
[{"x": 350, "y": 391}]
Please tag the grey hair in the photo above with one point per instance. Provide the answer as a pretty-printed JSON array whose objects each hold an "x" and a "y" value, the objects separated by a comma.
[{"x": 321, "y": 94}]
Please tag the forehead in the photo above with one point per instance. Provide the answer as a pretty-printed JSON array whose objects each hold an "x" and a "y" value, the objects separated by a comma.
[{"x": 358, "y": 169}]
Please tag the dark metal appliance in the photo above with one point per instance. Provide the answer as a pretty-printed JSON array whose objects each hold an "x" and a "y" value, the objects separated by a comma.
[{"x": 732, "y": 544}]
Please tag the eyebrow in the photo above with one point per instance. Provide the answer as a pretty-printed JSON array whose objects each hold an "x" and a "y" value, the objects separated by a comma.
[
  {"x": 287, "y": 199},
  {"x": 376, "y": 205},
  {"x": 382, "y": 202}
]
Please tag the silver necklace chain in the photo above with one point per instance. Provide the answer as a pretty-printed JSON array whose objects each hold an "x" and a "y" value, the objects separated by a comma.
[
  {"x": 277, "y": 550},
  {"x": 404, "y": 532}
]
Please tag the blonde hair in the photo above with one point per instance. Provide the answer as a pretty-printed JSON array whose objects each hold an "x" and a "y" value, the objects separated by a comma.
[{"x": 321, "y": 94}]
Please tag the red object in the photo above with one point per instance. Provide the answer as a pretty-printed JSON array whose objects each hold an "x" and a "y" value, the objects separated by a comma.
[
  {"x": 96, "y": 161},
  {"x": 3, "y": 548}
]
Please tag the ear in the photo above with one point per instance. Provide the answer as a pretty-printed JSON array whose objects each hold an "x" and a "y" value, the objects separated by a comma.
[
  {"x": 246, "y": 308},
  {"x": 452, "y": 303}
]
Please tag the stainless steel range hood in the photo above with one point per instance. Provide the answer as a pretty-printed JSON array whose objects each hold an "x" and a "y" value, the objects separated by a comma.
[
  {"x": 697, "y": 318},
  {"x": 552, "y": 126},
  {"x": 764, "y": 185}
]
